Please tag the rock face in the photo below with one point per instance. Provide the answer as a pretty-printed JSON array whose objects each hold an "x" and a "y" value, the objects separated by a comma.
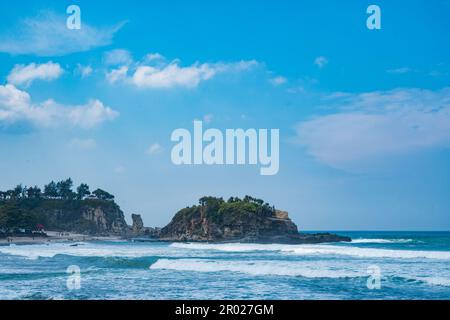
[
  {"x": 248, "y": 220},
  {"x": 95, "y": 217},
  {"x": 138, "y": 225},
  {"x": 138, "y": 229}
]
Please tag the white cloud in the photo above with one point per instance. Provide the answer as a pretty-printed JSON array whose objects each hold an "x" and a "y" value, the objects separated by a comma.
[
  {"x": 117, "y": 57},
  {"x": 83, "y": 144},
  {"x": 321, "y": 62},
  {"x": 153, "y": 72},
  {"x": 13, "y": 103},
  {"x": 116, "y": 75},
  {"x": 172, "y": 76},
  {"x": 378, "y": 125},
  {"x": 83, "y": 71},
  {"x": 155, "y": 148},
  {"x": 16, "y": 106},
  {"x": 26, "y": 74},
  {"x": 152, "y": 57},
  {"x": 90, "y": 115},
  {"x": 278, "y": 81},
  {"x": 47, "y": 35}
]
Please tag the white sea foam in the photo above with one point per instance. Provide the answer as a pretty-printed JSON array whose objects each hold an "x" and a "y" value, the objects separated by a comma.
[
  {"x": 308, "y": 269},
  {"x": 369, "y": 252},
  {"x": 197, "y": 249},
  {"x": 86, "y": 250},
  {"x": 383, "y": 241},
  {"x": 307, "y": 250},
  {"x": 229, "y": 247},
  {"x": 435, "y": 281},
  {"x": 258, "y": 268}
]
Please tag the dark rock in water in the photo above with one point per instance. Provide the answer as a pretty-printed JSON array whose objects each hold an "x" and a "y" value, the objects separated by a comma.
[
  {"x": 307, "y": 238},
  {"x": 236, "y": 220}
]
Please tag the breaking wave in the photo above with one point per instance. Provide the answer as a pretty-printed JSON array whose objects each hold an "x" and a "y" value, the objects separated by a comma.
[
  {"x": 383, "y": 241},
  {"x": 435, "y": 281},
  {"x": 256, "y": 268},
  {"x": 87, "y": 250},
  {"x": 320, "y": 250}
]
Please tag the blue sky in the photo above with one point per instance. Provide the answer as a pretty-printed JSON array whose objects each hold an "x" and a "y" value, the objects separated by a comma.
[{"x": 364, "y": 115}]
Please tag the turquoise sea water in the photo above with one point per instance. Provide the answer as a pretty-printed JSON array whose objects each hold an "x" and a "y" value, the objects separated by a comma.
[{"x": 413, "y": 265}]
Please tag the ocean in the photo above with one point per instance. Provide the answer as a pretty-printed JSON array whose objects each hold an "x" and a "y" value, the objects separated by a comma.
[{"x": 376, "y": 265}]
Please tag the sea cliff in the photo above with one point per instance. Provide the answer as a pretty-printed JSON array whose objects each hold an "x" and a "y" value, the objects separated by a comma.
[
  {"x": 91, "y": 217},
  {"x": 236, "y": 220}
]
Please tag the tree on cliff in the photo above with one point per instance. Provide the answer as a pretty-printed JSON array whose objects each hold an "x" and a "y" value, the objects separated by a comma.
[
  {"x": 17, "y": 192},
  {"x": 103, "y": 195},
  {"x": 50, "y": 190},
  {"x": 64, "y": 188},
  {"x": 82, "y": 191},
  {"x": 61, "y": 190},
  {"x": 210, "y": 201},
  {"x": 34, "y": 192}
]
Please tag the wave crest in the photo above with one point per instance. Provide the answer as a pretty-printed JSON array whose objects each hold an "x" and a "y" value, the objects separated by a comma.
[
  {"x": 305, "y": 250},
  {"x": 256, "y": 268}
]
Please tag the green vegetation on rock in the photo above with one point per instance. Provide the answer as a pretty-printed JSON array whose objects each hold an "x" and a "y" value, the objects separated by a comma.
[{"x": 59, "y": 208}]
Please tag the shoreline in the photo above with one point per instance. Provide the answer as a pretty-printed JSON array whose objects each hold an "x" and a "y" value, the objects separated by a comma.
[{"x": 56, "y": 237}]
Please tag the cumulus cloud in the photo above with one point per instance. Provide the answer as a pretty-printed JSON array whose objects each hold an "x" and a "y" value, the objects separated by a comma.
[
  {"x": 153, "y": 72},
  {"x": 321, "y": 62},
  {"x": 47, "y": 35},
  {"x": 90, "y": 115},
  {"x": 117, "y": 74},
  {"x": 16, "y": 106},
  {"x": 172, "y": 76},
  {"x": 26, "y": 74},
  {"x": 377, "y": 125}
]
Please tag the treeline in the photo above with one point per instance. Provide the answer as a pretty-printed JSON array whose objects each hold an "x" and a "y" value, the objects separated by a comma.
[
  {"x": 247, "y": 203},
  {"x": 55, "y": 190},
  {"x": 205, "y": 201}
]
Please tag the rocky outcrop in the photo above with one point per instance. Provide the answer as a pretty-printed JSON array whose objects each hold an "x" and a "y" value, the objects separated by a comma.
[
  {"x": 247, "y": 220},
  {"x": 138, "y": 224},
  {"x": 138, "y": 229}
]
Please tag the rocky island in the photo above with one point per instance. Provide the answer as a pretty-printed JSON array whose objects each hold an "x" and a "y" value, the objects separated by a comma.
[
  {"x": 238, "y": 220},
  {"x": 29, "y": 211}
]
